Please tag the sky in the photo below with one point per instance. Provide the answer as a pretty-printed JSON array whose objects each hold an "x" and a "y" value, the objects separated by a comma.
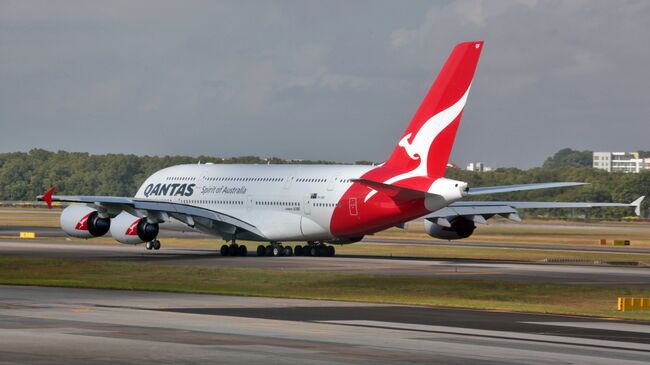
[{"x": 332, "y": 80}]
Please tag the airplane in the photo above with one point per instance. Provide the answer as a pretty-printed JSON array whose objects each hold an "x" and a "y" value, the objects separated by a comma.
[{"x": 318, "y": 204}]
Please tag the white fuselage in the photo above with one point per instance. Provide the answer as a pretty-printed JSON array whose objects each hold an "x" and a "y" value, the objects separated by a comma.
[{"x": 285, "y": 202}]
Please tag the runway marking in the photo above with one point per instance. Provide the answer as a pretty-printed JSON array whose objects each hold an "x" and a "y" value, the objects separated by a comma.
[
  {"x": 608, "y": 326},
  {"x": 82, "y": 310},
  {"x": 518, "y": 336},
  {"x": 604, "y": 282}
]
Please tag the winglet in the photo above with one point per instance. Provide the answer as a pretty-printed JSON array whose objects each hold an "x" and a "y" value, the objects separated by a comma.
[
  {"x": 47, "y": 197},
  {"x": 637, "y": 205}
]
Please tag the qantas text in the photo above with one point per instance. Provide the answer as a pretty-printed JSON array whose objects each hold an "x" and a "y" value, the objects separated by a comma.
[{"x": 169, "y": 190}]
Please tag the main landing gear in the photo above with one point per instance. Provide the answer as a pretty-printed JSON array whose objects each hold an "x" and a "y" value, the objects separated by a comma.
[
  {"x": 274, "y": 249},
  {"x": 234, "y": 250},
  {"x": 152, "y": 245},
  {"x": 311, "y": 249}
]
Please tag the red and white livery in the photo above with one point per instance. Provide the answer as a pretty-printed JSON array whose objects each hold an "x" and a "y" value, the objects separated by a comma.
[{"x": 317, "y": 204}]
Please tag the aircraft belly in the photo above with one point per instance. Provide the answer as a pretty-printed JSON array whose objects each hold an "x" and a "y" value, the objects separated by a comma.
[
  {"x": 312, "y": 230},
  {"x": 280, "y": 226}
]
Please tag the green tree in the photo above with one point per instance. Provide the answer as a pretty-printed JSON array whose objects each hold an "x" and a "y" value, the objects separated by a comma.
[{"x": 567, "y": 157}]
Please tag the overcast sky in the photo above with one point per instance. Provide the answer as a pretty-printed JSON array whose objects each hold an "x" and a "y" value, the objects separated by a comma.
[{"x": 320, "y": 80}]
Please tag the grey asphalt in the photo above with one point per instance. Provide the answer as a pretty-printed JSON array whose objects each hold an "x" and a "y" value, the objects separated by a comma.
[
  {"x": 603, "y": 275},
  {"x": 55, "y": 232},
  {"x": 87, "y": 326},
  {"x": 519, "y": 246}
]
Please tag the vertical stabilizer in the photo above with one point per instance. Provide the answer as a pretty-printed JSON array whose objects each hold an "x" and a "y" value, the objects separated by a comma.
[{"x": 424, "y": 148}]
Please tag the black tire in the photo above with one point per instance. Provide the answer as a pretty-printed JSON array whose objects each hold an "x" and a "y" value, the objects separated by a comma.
[
  {"x": 298, "y": 250},
  {"x": 276, "y": 251},
  {"x": 321, "y": 251},
  {"x": 242, "y": 250},
  {"x": 261, "y": 251},
  {"x": 148, "y": 246},
  {"x": 224, "y": 250},
  {"x": 331, "y": 251},
  {"x": 288, "y": 251},
  {"x": 233, "y": 250},
  {"x": 156, "y": 245},
  {"x": 269, "y": 250},
  {"x": 313, "y": 251}
]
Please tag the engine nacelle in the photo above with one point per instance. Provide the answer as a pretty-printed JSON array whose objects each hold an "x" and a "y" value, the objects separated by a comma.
[
  {"x": 460, "y": 228},
  {"x": 83, "y": 222},
  {"x": 132, "y": 230}
]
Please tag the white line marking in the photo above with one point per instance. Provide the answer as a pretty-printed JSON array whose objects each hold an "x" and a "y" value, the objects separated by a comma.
[
  {"x": 497, "y": 334},
  {"x": 608, "y": 326}
]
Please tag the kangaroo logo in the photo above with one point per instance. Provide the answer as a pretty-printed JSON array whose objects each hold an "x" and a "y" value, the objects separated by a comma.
[
  {"x": 418, "y": 148},
  {"x": 132, "y": 230},
  {"x": 82, "y": 225}
]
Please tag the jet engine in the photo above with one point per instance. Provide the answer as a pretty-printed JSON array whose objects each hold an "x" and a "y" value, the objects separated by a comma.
[
  {"x": 132, "y": 230},
  {"x": 84, "y": 222},
  {"x": 460, "y": 228}
]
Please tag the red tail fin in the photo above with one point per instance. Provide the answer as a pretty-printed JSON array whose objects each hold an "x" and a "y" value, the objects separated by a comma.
[{"x": 425, "y": 146}]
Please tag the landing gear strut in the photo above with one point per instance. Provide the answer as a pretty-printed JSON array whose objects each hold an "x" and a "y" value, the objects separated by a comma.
[{"x": 152, "y": 245}]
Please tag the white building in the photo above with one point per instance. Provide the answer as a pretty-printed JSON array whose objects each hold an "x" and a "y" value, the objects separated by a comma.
[
  {"x": 478, "y": 167},
  {"x": 619, "y": 161}
]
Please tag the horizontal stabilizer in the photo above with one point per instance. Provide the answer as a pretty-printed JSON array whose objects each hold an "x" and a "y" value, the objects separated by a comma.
[{"x": 397, "y": 191}]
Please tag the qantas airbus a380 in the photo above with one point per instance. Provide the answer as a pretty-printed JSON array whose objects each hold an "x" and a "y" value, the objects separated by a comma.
[{"x": 335, "y": 204}]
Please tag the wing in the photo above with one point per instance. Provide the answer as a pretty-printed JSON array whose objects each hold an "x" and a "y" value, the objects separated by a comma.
[
  {"x": 480, "y": 211},
  {"x": 203, "y": 219},
  {"x": 521, "y": 187}
]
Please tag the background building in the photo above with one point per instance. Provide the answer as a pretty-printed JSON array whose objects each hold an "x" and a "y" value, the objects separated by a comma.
[
  {"x": 619, "y": 161},
  {"x": 478, "y": 167}
]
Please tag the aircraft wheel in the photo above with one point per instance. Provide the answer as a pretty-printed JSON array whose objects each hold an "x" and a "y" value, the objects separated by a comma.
[
  {"x": 321, "y": 251},
  {"x": 224, "y": 250},
  {"x": 275, "y": 251},
  {"x": 313, "y": 251},
  {"x": 331, "y": 251},
  {"x": 148, "y": 245},
  {"x": 233, "y": 250},
  {"x": 269, "y": 250},
  {"x": 261, "y": 250},
  {"x": 156, "y": 244},
  {"x": 242, "y": 250},
  {"x": 288, "y": 251},
  {"x": 298, "y": 250}
]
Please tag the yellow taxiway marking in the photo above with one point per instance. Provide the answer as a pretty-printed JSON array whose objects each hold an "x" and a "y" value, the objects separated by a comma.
[{"x": 82, "y": 310}]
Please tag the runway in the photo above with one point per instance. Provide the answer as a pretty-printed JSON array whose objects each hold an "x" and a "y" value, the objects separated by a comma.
[
  {"x": 55, "y": 232},
  {"x": 625, "y": 277},
  {"x": 519, "y": 246},
  {"x": 87, "y": 326}
]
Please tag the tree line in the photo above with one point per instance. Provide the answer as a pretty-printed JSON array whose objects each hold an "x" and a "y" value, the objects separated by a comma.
[{"x": 24, "y": 175}]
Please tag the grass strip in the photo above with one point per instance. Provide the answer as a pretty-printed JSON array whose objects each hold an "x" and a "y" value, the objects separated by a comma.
[{"x": 466, "y": 293}]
